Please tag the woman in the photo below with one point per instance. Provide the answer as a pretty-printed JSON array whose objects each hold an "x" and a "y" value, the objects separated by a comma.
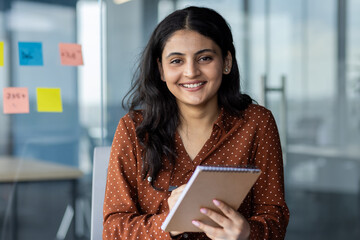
[{"x": 186, "y": 110}]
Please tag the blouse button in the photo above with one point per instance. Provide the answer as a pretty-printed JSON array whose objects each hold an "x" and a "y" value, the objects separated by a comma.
[{"x": 185, "y": 235}]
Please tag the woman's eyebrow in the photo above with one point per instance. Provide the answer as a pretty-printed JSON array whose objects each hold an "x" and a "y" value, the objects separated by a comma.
[
  {"x": 197, "y": 53},
  {"x": 205, "y": 50},
  {"x": 175, "y": 53}
]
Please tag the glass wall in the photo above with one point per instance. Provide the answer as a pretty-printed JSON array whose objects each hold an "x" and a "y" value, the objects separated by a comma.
[
  {"x": 299, "y": 58},
  {"x": 45, "y": 142}
]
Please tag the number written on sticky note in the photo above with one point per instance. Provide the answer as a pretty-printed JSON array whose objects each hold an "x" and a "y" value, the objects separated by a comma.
[
  {"x": 71, "y": 54},
  {"x": 30, "y": 53},
  {"x": 15, "y": 100}
]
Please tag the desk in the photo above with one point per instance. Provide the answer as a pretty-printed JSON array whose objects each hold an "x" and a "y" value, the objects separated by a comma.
[
  {"x": 335, "y": 155},
  {"x": 20, "y": 170},
  {"x": 17, "y": 170},
  {"x": 348, "y": 153},
  {"x": 351, "y": 153}
]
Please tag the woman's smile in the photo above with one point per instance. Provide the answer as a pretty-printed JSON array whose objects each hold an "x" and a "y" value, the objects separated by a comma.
[{"x": 192, "y": 86}]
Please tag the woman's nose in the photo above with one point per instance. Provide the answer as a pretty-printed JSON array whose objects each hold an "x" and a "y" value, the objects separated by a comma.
[{"x": 191, "y": 69}]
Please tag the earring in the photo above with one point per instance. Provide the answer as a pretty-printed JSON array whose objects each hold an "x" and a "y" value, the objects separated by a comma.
[{"x": 226, "y": 69}]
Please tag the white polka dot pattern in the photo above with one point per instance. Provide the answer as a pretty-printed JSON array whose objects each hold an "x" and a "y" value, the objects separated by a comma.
[{"x": 134, "y": 210}]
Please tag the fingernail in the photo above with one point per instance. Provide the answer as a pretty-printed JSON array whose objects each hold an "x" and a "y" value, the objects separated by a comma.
[
  {"x": 196, "y": 223},
  {"x": 203, "y": 210},
  {"x": 216, "y": 202}
]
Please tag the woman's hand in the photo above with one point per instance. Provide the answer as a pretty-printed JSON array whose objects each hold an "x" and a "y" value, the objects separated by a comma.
[
  {"x": 233, "y": 225},
  {"x": 172, "y": 200}
]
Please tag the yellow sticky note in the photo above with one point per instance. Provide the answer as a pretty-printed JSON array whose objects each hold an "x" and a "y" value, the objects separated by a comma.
[
  {"x": 49, "y": 100},
  {"x": 1, "y": 53}
]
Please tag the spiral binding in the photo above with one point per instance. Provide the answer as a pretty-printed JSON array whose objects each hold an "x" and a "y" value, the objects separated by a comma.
[{"x": 228, "y": 169}]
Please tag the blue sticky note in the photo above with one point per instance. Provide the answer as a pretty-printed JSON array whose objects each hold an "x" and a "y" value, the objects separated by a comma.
[{"x": 30, "y": 53}]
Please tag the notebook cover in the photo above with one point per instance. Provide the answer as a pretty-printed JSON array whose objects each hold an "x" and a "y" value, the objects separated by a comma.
[{"x": 230, "y": 185}]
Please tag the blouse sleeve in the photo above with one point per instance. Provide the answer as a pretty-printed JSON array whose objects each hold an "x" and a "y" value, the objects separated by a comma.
[
  {"x": 271, "y": 215},
  {"x": 122, "y": 217}
]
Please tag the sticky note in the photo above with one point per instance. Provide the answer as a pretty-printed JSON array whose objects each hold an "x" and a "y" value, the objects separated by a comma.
[
  {"x": 15, "y": 100},
  {"x": 49, "y": 100},
  {"x": 30, "y": 53},
  {"x": 1, "y": 53},
  {"x": 71, "y": 54}
]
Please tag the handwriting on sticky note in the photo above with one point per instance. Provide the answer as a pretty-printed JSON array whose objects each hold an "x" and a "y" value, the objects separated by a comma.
[
  {"x": 30, "y": 53},
  {"x": 71, "y": 54},
  {"x": 49, "y": 100},
  {"x": 15, "y": 100},
  {"x": 1, "y": 53}
]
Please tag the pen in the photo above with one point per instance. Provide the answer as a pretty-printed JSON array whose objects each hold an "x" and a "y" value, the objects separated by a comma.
[{"x": 172, "y": 188}]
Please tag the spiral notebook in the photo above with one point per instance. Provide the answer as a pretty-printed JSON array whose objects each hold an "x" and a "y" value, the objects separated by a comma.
[{"x": 228, "y": 184}]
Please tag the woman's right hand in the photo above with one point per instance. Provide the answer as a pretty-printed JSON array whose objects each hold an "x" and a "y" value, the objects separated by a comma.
[{"x": 172, "y": 200}]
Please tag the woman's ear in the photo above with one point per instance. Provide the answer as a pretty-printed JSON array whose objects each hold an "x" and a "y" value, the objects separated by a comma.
[
  {"x": 227, "y": 63},
  {"x": 161, "y": 71}
]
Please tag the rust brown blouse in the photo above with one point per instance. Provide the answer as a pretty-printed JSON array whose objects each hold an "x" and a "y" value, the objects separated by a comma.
[{"x": 134, "y": 210}]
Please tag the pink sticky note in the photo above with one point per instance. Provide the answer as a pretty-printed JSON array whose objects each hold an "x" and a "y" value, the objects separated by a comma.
[
  {"x": 71, "y": 54},
  {"x": 16, "y": 100}
]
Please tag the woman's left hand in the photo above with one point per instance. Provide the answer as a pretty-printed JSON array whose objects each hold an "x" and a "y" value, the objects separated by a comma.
[{"x": 233, "y": 225}]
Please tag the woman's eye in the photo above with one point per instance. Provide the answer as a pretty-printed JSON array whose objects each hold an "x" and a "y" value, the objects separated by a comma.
[
  {"x": 204, "y": 59},
  {"x": 175, "y": 61}
]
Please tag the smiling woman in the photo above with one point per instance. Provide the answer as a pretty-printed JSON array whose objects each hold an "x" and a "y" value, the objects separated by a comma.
[
  {"x": 192, "y": 66},
  {"x": 186, "y": 109}
]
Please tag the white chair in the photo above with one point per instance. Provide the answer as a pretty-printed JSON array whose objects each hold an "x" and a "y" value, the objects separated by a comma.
[{"x": 100, "y": 164}]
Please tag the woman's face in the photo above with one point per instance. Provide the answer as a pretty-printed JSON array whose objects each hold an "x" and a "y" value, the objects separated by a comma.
[{"x": 192, "y": 67}]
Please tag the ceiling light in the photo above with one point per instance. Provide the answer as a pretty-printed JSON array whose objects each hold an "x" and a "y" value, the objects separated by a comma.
[{"x": 121, "y": 1}]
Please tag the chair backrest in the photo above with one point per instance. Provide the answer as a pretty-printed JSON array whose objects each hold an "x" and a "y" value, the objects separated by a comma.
[{"x": 100, "y": 165}]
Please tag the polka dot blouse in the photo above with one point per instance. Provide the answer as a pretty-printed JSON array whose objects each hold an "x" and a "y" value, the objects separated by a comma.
[{"x": 135, "y": 210}]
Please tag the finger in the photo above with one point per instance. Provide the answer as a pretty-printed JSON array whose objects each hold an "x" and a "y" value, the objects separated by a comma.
[
  {"x": 211, "y": 232},
  {"x": 228, "y": 211},
  {"x": 216, "y": 217},
  {"x": 239, "y": 225},
  {"x": 178, "y": 190},
  {"x": 175, "y": 195}
]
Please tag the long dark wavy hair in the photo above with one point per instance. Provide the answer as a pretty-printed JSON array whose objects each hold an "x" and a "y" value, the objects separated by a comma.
[{"x": 150, "y": 94}]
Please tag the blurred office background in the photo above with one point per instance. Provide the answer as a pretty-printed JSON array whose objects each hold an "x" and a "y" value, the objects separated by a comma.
[{"x": 300, "y": 58}]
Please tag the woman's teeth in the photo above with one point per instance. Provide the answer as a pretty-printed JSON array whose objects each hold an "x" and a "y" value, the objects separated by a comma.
[{"x": 193, "y": 85}]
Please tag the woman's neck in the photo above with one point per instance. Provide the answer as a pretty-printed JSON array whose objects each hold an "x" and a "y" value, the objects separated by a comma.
[
  {"x": 196, "y": 125},
  {"x": 198, "y": 118}
]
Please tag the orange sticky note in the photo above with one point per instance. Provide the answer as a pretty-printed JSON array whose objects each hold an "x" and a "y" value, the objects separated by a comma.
[
  {"x": 1, "y": 53},
  {"x": 15, "y": 100},
  {"x": 49, "y": 100},
  {"x": 71, "y": 54}
]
